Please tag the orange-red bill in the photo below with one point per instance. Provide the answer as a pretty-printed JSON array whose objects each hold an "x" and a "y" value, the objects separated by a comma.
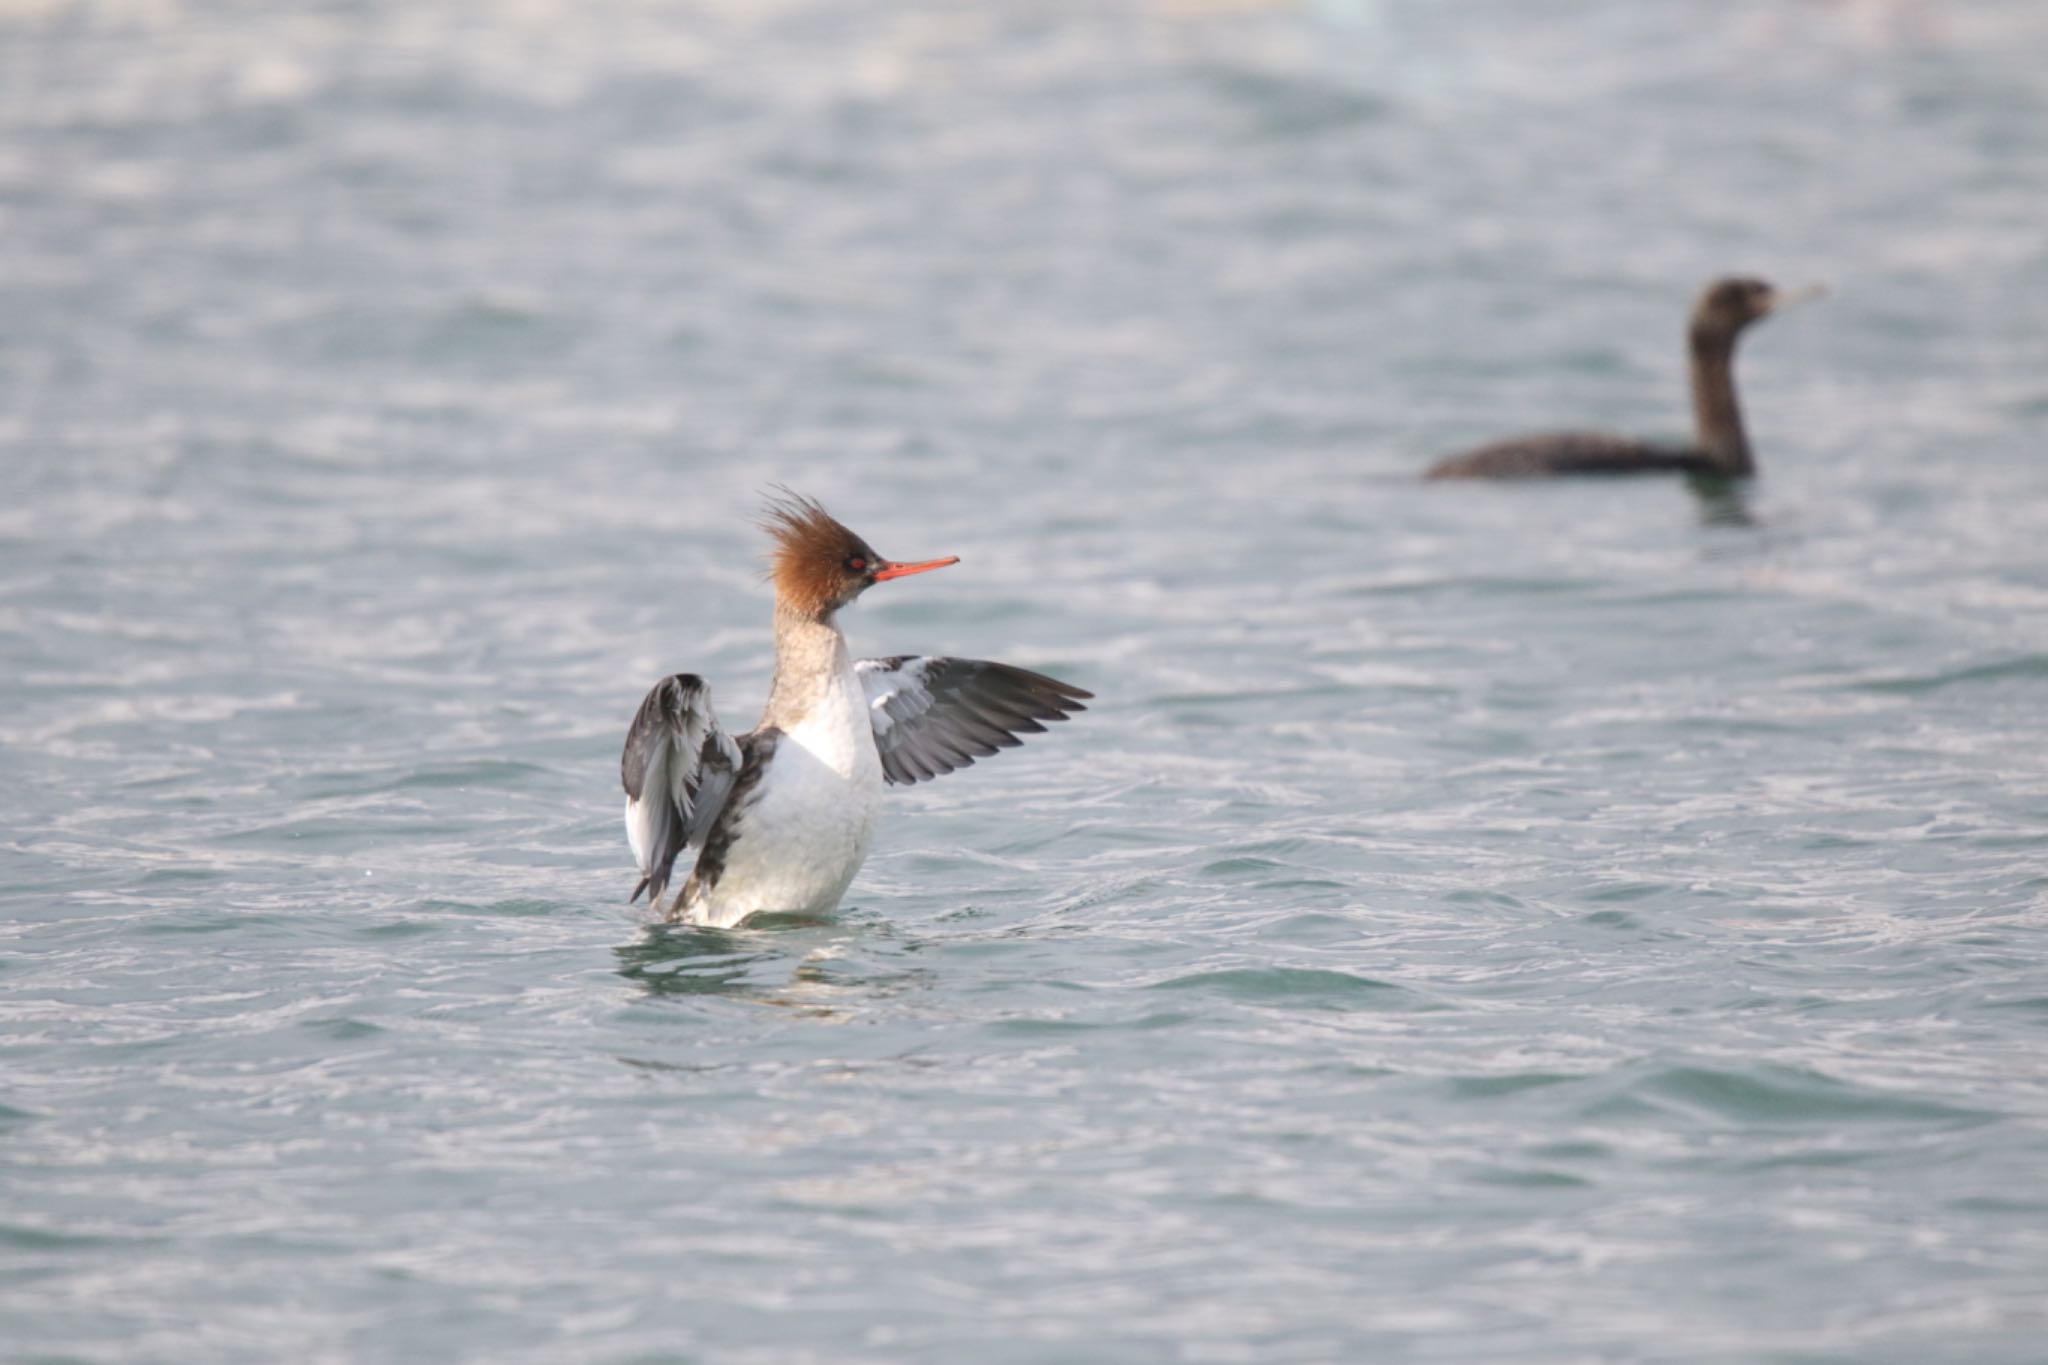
[{"x": 891, "y": 569}]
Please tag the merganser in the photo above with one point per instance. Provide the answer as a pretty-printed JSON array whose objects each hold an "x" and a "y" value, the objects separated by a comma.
[
  {"x": 1720, "y": 447},
  {"x": 781, "y": 817}
]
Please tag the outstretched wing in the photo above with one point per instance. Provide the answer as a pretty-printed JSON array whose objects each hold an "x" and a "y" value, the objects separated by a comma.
[
  {"x": 677, "y": 769},
  {"x": 932, "y": 715}
]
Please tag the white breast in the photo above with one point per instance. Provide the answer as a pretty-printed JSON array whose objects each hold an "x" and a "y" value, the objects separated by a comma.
[{"x": 807, "y": 829}]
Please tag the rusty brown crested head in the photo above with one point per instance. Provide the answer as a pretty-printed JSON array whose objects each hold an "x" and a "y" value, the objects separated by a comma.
[{"x": 819, "y": 564}]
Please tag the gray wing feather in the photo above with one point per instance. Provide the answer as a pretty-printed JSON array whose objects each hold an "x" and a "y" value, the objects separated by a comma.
[
  {"x": 721, "y": 826},
  {"x": 932, "y": 715},
  {"x": 677, "y": 768}
]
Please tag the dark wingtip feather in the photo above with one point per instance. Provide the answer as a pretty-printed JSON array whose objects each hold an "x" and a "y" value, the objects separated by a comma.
[{"x": 970, "y": 709}]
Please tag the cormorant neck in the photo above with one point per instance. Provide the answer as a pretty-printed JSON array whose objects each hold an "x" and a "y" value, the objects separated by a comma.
[
  {"x": 1717, "y": 417},
  {"x": 810, "y": 653}
]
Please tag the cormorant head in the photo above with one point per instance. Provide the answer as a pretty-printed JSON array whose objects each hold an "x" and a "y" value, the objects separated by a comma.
[{"x": 1730, "y": 304}]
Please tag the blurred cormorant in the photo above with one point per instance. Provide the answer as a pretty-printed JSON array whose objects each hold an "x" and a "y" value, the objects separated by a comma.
[{"x": 1720, "y": 449}]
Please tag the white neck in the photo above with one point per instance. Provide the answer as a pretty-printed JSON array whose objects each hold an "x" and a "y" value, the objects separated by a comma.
[{"x": 810, "y": 655}]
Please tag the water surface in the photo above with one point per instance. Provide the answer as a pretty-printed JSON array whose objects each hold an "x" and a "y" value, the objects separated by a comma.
[{"x": 1588, "y": 923}]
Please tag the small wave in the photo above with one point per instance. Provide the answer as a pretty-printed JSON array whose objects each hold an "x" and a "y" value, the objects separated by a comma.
[
  {"x": 23, "y": 1238},
  {"x": 2025, "y": 667},
  {"x": 342, "y": 1029},
  {"x": 1031, "y": 1026},
  {"x": 1307, "y": 987},
  {"x": 1507, "y": 1083},
  {"x": 1775, "y": 1094}
]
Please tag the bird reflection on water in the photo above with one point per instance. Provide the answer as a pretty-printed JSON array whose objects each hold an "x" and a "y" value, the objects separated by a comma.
[
  {"x": 1722, "y": 502},
  {"x": 823, "y": 966}
]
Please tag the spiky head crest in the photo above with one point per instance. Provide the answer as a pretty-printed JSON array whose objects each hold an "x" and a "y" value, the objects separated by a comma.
[{"x": 819, "y": 564}]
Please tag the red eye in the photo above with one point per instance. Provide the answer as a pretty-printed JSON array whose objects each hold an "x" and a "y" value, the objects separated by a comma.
[{"x": 857, "y": 564}]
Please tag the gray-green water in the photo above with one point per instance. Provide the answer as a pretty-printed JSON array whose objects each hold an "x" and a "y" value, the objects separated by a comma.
[{"x": 1537, "y": 924}]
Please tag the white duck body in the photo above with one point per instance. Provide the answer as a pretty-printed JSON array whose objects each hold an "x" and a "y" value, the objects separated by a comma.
[{"x": 799, "y": 832}]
